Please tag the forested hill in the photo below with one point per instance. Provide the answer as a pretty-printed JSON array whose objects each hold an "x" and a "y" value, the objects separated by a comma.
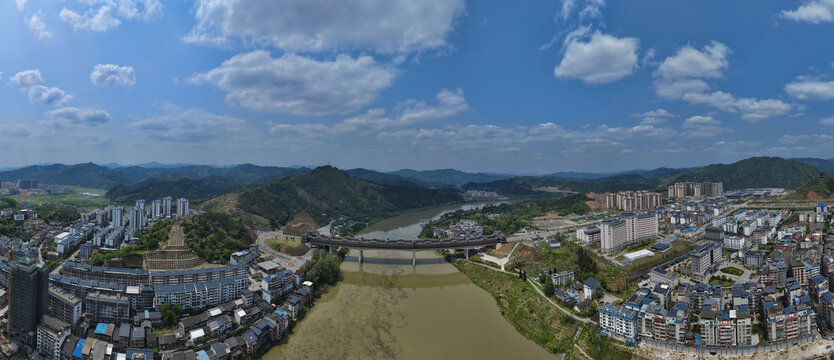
[
  {"x": 818, "y": 189},
  {"x": 100, "y": 177},
  {"x": 328, "y": 192},
  {"x": 747, "y": 173}
]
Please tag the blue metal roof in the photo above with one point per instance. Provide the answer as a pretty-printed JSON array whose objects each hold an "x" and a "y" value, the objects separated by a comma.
[
  {"x": 78, "y": 347},
  {"x": 202, "y": 355},
  {"x": 101, "y": 329}
]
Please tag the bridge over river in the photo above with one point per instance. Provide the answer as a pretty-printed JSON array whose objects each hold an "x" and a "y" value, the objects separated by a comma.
[{"x": 412, "y": 245}]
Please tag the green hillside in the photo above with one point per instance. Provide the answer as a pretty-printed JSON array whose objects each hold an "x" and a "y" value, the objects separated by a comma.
[
  {"x": 754, "y": 172},
  {"x": 328, "y": 192},
  {"x": 447, "y": 176},
  {"x": 820, "y": 188}
]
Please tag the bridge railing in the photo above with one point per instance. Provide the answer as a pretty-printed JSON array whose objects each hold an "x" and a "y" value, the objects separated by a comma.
[{"x": 414, "y": 244}]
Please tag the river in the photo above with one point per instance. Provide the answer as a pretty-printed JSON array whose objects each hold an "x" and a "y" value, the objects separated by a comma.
[{"x": 388, "y": 309}]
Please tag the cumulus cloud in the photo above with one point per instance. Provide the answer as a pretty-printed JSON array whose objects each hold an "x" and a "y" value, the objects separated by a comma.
[
  {"x": 21, "y": 4},
  {"x": 449, "y": 103},
  {"x": 315, "y": 25},
  {"x": 808, "y": 89},
  {"x": 189, "y": 125},
  {"x": 29, "y": 82},
  {"x": 106, "y": 14},
  {"x": 68, "y": 116},
  {"x": 37, "y": 26},
  {"x": 599, "y": 59},
  {"x": 812, "y": 11},
  {"x": 685, "y": 76},
  {"x": 795, "y": 139},
  {"x": 112, "y": 75},
  {"x": 827, "y": 121},
  {"x": 299, "y": 85},
  {"x": 654, "y": 117},
  {"x": 702, "y": 127}
]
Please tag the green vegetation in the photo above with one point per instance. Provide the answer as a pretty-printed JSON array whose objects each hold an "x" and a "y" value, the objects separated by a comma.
[
  {"x": 513, "y": 217},
  {"x": 54, "y": 213},
  {"x": 152, "y": 238},
  {"x": 215, "y": 236},
  {"x": 820, "y": 188},
  {"x": 447, "y": 176},
  {"x": 8, "y": 202},
  {"x": 11, "y": 228},
  {"x": 722, "y": 280},
  {"x": 170, "y": 315},
  {"x": 640, "y": 245},
  {"x": 75, "y": 198},
  {"x": 323, "y": 268},
  {"x": 525, "y": 309},
  {"x": 732, "y": 271},
  {"x": 130, "y": 255},
  {"x": 287, "y": 246},
  {"x": 755, "y": 172},
  {"x": 677, "y": 248},
  {"x": 327, "y": 192}
]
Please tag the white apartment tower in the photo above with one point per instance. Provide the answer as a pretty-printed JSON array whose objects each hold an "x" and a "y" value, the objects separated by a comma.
[
  {"x": 182, "y": 207},
  {"x": 166, "y": 205},
  {"x": 156, "y": 209},
  {"x": 137, "y": 218},
  {"x": 116, "y": 216}
]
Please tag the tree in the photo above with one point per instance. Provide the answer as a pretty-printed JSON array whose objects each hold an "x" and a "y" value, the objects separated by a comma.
[{"x": 548, "y": 287}]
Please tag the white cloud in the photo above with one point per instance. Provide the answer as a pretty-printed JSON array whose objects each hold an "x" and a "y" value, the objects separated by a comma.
[
  {"x": 827, "y": 121},
  {"x": 14, "y": 130},
  {"x": 27, "y": 78},
  {"x": 74, "y": 116},
  {"x": 299, "y": 85},
  {"x": 103, "y": 15},
  {"x": 795, "y": 139},
  {"x": 807, "y": 89},
  {"x": 449, "y": 103},
  {"x": 112, "y": 75},
  {"x": 29, "y": 82},
  {"x": 684, "y": 76},
  {"x": 190, "y": 126},
  {"x": 812, "y": 11},
  {"x": 654, "y": 117},
  {"x": 21, "y": 4},
  {"x": 599, "y": 60},
  {"x": 592, "y": 9},
  {"x": 37, "y": 26},
  {"x": 702, "y": 127},
  {"x": 315, "y": 25}
]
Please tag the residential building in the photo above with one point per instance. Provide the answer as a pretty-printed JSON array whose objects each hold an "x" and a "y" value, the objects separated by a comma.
[
  {"x": 51, "y": 334},
  {"x": 182, "y": 207},
  {"x": 64, "y": 306},
  {"x": 633, "y": 200},
  {"x": 166, "y": 206},
  {"x": 563, "y": 278},
  {"x": 627, "y": 229},
  {"x": 734, "y": 242},
  {"x": 137, "y": 218},
  {"x": 276, "y": 285},
  {"x": 202, "y": 294},
  {"x": 156, "y": 209},
  {"x": 589, "y": 235},
  {"x": 29, "y": 300},
  {"x": 705, "y": 259},
  {"x": 618, "y": 320},
  {"x": 117, "y": 215},
  {"x": 753, "y": 259}
]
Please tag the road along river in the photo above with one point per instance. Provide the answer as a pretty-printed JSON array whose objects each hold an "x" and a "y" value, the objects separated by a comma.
[{"x": 388, "y": 309}]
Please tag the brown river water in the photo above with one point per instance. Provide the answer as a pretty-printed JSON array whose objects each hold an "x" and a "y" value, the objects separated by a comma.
[{"x": 388, "y": 309}]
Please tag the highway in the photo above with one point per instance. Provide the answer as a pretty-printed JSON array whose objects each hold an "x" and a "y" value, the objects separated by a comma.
[{"x": 289, "y": 262}]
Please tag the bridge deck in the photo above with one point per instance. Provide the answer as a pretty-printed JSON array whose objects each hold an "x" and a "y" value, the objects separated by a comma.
[{"x": 415, "y": 244}]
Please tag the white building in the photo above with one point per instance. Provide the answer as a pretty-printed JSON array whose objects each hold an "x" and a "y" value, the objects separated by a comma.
[
  {"x": 116, "y": 215},
  {"x": 166, "y": 206},
  {"x": 156, "y": 209},
  {"x": 734, "y": 242},
  {"x": 627, "y": 229},
  {"x": 182, "y": 207}
]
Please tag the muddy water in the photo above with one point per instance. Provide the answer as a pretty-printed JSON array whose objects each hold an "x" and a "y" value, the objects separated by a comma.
[{"x": 388, "y": 309}]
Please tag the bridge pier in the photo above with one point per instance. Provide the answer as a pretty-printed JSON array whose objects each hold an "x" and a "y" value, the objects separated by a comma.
[
  {"x": 413, "y": 258},
  {"x": 361, "y": 256},
  {"x": 466, "y": 253}
]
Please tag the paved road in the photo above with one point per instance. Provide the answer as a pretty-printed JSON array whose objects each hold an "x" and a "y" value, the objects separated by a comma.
[{"x": 289, "y": 262}]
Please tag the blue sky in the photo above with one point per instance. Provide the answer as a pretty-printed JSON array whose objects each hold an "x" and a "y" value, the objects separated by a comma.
[{"x": 531, "y": 87}]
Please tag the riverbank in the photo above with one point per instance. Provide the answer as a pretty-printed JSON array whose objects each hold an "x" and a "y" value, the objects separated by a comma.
[{"x": 535, "y": 318}]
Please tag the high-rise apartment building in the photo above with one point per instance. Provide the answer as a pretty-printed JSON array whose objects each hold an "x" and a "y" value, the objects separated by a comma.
[
  {"x": 140, "y": 204},
  {"x": 137, "y": 218},
  {"x": 695, "y": 189},
  {"x": 156, "y": 209},
  {"x": 28, "y": 298},
  {"x": 182, "y": 207},
  {"x": 117, "y": 216},
  {"x": 633, "y": 200},
  {"x": 704, "y": 259},
  {"x": 166, "y": 206},
  {"x": 627, "y": 229}
]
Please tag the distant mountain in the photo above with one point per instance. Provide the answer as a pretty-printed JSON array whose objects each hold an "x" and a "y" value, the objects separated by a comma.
[
  {"x": 753, "y": 172},
  {"x": 385, "y": 178},
  {"x": 528, "y": 185},
  {"x": 448, "y": 176},
  {"x": 101, "y": 177},
  {"x": 327, "y": 192},
  {"x": 826, "y": 165}
]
